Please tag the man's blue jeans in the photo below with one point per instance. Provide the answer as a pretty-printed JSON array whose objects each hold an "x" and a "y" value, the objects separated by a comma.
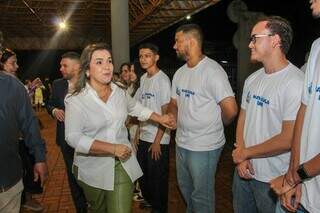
[
  {"x": 281, "y": 209},
  {"x": 196, "y": 178},
  {"x": 252, "y": 196}
]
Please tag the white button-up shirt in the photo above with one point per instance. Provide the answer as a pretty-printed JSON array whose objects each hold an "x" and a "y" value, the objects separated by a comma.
[{"x": 88, "y": 118}]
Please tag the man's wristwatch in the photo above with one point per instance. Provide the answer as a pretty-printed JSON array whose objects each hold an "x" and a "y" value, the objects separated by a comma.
[{"x": 302, "y": 173}]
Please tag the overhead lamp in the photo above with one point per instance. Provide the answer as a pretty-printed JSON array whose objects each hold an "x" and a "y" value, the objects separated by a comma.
[
  {"x": 63, "y": 25},
  {"x": 188, "y": 17}
]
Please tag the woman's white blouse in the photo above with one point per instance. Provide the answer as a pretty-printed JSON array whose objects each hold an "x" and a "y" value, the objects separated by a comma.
[{"x": 88, "y": 118}]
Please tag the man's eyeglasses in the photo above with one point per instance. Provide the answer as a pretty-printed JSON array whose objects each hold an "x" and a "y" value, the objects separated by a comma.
[{"x": 254, "y": 37}]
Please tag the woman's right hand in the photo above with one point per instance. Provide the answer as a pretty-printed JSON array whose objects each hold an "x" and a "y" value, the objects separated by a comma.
[{"x": 122, "y": 151}]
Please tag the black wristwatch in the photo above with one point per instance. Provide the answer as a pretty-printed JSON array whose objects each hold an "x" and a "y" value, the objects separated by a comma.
[{"x": 302, "y": 173}]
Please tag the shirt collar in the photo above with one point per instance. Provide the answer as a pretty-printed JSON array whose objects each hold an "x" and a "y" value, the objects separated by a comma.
[{"x": 89, "y": 88}]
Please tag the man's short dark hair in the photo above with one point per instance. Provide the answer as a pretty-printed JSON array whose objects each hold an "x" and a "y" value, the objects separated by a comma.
[
  {"x": 71, "y": 55},
  {"x": 280, "y": 26},
  {"x": 154, "y": 48},
  {"x": 192, "y": 29}
]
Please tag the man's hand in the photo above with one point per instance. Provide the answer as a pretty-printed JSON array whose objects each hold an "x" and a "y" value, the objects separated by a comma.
[
  {"x": 291, "y": 199},
  {"x": 59, "y": 114},
  {"x": 168, "y": 121},
  {"x": 280, "y": 185},
  {"x": 173, "y": 119},
  {"x": 40, "y": 170},
  {"x": 239, "y": 154},
  {"x": 245, "y": 170},
  {"x": 155, "y": 149},
  {"x": 292, "y": 176}
]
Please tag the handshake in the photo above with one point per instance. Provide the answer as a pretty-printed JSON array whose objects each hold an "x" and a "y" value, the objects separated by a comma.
[{"x": 168, "y": 120}]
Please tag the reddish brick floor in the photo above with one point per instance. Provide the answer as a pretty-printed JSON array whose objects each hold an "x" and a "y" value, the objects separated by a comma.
[{"x": 56, "y": 196}]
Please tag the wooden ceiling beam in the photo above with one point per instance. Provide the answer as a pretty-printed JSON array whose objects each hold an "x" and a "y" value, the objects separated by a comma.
[{"x": 151, "y": 8}]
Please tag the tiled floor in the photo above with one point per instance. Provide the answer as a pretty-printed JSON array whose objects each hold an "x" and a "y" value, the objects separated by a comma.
[{"x": 56, "y": 196}]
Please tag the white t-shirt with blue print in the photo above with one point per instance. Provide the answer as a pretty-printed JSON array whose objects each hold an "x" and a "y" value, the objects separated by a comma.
[
  {"x": 198, "y": 92},
  {"x": 310, "y": 138},
  {"x": 153, "y": 93},
  {"x": 268, "y": 100}
]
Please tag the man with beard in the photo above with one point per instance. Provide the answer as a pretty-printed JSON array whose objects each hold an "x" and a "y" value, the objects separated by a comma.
[
  {"x": 300, "y": 186},
  {"x": 270, "y": 102},
  {"x": 69, "y": 67},
  {"x": 202, "y": 101}
]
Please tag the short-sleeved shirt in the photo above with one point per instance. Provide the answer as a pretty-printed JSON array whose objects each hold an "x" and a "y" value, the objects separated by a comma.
[
  {"x": 198, "y": 92},
  {"x": 268, "y": 100},
  {"x": 154, "y": 92},
  {"x": 310, "y": 137}
]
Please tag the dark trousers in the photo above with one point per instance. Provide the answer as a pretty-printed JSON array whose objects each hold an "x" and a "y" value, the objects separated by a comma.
[
  {"x": 27, "y": 164},
  {"x": 77, "y": 194},
  {"x": 154, "y": 182}
]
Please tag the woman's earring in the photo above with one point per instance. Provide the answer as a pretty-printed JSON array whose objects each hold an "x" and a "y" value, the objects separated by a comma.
[{"x": 87, "y": 74}]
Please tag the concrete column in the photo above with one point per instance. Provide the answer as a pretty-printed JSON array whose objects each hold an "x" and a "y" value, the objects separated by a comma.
[
  {"x": 120, "y": 32},
  {"x": 238, "y": 13},
  {"x": 245, "y": 66}
]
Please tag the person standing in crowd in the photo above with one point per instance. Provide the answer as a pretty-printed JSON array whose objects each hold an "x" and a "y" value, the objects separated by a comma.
[
  {"x": 47, "y": 90},
  {"x": 28, "y": 86},
  {"x": 17, "y": 117},
  {"x": 127, "y": 78},
  {"x": 38, "y": 96},
  {"x": 300, "y": 186},
  {"x": 124, "y": 75},
  {"x": 202, "y": 100},
  {"x": 9, "y": 64},
  {"x": 153, "y": 146},
  {"x": 95, "y": 126},
  {"x": 69, "y": 68},
  {"x": 270, "y": 102}
]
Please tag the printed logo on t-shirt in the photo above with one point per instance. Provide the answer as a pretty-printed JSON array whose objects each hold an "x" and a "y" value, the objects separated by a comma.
[
  {"x": 185, "y": 92},
  {"x": 147, "y": 95},
  {"x": 318, "y": 92},
  {"x": 248, "y": 98},
  {"x": 310, "y": 88},
  {"x": 178, "y": 92},
  {"x": 261, "y": 100}
]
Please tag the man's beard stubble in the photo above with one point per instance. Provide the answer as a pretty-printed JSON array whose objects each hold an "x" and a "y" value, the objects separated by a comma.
[{"x": 181, "y": 56}]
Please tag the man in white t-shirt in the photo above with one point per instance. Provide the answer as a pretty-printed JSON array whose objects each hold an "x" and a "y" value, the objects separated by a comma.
[
  {"x": 300, "y": 186},
  {"x": 270, "y": 101},
  {"x": 153, "y": 148},
  {"x": 202, "y": 101}
]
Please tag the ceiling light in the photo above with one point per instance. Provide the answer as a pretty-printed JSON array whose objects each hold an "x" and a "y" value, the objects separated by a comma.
[
  {"x": 188, "y": 17},
  {"x": 62, "y": 25}
]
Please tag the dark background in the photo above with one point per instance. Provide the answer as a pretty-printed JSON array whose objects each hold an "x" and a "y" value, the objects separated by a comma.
[{"x": 218, "y": 32}]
